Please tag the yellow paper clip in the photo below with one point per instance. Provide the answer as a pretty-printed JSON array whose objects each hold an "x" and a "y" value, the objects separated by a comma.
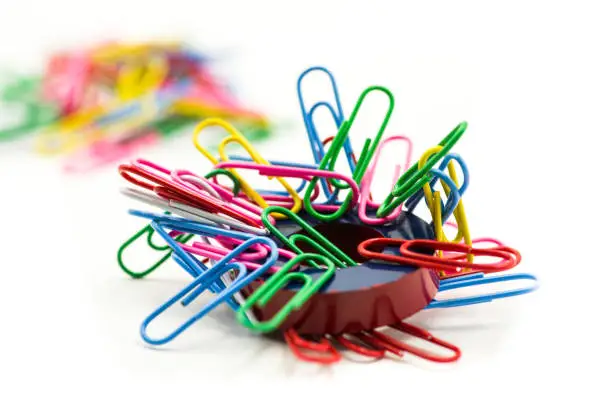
[
  {"x": 434, "y": 202},
  {"x": 236, "y": 137}
]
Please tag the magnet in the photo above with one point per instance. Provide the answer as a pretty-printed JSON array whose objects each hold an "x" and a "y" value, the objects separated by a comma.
[{"x": 362, "y": 297}]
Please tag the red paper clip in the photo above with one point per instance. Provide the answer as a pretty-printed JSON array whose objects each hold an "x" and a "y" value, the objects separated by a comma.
[
  {"x": 169, "y": 189},
  {"x": 326, "y": 352},
  {"x": 422, "y": 334},
  {"x": 509, "y": 257},
  {"x": 376, "y": 347}
]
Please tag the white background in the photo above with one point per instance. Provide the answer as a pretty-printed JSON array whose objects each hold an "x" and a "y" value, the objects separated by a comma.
[{"x": 532, "y": 78}]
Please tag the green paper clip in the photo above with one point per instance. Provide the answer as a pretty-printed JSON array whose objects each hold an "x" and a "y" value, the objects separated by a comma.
[
  {"x": 183, "y": 238},
  {"x": 329, "y": 160},
  {"x": 276, "y": 282},
  {"x": 414, "y": 178},
  {"x": 316, "y": 239}
]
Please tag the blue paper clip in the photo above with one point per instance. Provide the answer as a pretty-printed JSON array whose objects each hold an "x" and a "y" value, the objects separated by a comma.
[
  {"x": 480, "y": 279},
  {"x": 182, "y": 224},
  {"x": 186, "y": 260},
  {"x": 456, "y": 192},
  {"x": 190, "y": 264},
  {"x": 316, "y": 145},
  {"x": 451, "y": 202},
  {"x": 215, "y": 287},
  {"x": 206, "y": 279}
]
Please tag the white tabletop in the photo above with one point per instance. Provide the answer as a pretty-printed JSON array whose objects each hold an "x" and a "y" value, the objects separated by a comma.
[{"x": 536, "y": 97}]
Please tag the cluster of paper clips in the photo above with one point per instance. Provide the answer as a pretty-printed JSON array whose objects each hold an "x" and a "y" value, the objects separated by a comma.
[
  {"x": 321, "y": 263},
  {"x": 101, "y": 105}
]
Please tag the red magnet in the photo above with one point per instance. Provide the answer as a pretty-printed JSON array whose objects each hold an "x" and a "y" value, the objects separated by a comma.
[{"x": 357, "y": 298}]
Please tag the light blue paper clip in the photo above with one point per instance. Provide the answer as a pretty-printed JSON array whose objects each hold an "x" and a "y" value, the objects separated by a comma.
[
  {"x": 215, "y": 287},
  {"x": 184, "y": 225},
  {"x": 316, "y": 145},
  {"x": 480, "y": 279},
  {"x": 186, "y": 260}
]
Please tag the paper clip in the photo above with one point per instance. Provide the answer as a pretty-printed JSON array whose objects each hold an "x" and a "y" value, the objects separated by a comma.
[
  {"x": 369, "y": 147},
  {"x": 375, "y": 348},
  {"x": 228, "y": 198},
  {"x": 148, "y": 230},
  {"x": 329, "y": 160},
  {"x": 441, "y": 212},
  {"x": 278, "y": 163},
  {"x": 194, "y": 268},
  {"x": 477, "y": 280},
  {"x": 324, "y": 350},
  {"x": 434, "y": 201},
  {"x": 480, "y": 240},
  {"x": 318, "y": 147},
  {"x": 333, "y": 196},
  {"x": 307, "y": 115},
  {"x": 509, "y": 257},
  {"x": 189, "y": 212},
  {"x": 218, "y": 252},
  {"x": 295, "y": 172},
  {"x": 179, "y": 257},
  {"x": 365, "y": 202},
  {"x": 422, "y": 334},
  {"x": 215, "y": 287},
  {"x": 187, "y": 226},
  {"x": 168, "y": 188},
  {"x": 276, "y": 282},
  {"x": 416, "y": 177},
  {"x": 316, "y": 240},
  {"x": 205, "y": 280},
  {"x": 258, "y": 159},
  {"x": 191, "y": 227},
  {"x": 236, "y": 137},
  {"x": 216, "y": 172}
]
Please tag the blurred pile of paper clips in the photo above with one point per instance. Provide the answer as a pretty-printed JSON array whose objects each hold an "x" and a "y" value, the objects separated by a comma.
[
  {"x": 103, "y": 104},
  {"x": 320, "y": 263}
]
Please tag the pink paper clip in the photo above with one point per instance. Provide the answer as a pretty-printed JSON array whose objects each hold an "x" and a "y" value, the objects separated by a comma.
[
  {"x": 255, "y": 253},
  {"x": 296, "y": 172},
  {"x": 217, "y": 253},
  {"x": 287, "y": 201},
  {"x": 366, "y": 183}
]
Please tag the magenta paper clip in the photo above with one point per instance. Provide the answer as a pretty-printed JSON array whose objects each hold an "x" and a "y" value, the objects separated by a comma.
[
  {"x": 296, "y": 172},
  {"x": 217, "y": 253},
  {"x": 365, "y": 203}
]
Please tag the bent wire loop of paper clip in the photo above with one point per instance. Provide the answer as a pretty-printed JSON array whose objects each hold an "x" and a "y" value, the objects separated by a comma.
[{"x": 322, "y": 263}]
